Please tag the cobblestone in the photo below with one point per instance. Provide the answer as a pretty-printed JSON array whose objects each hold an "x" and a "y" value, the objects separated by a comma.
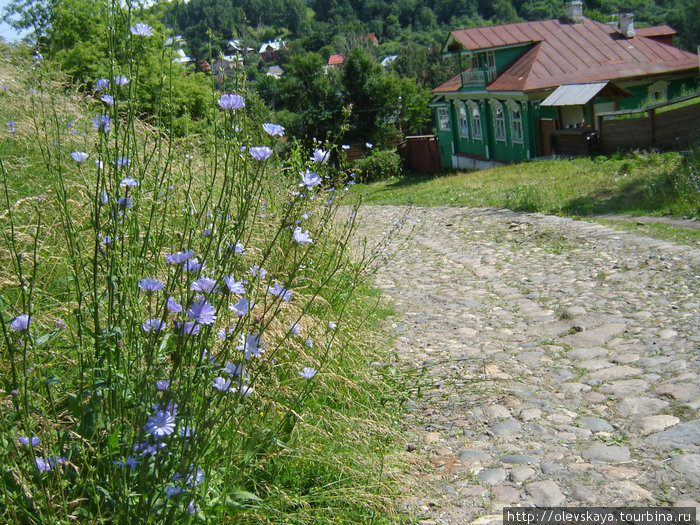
[{"x": 555, "y": 352}]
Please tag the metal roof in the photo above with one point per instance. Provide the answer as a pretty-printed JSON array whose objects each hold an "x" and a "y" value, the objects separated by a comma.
[
  {"x": 579, "y": 94},
  {"x": 563, "y": 53}
]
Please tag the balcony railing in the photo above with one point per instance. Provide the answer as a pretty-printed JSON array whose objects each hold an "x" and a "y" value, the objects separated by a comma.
[{"x": 478, "y": 77}]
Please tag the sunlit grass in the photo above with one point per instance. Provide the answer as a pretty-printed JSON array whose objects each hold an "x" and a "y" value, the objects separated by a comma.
[{"x": 641, "y": 184}]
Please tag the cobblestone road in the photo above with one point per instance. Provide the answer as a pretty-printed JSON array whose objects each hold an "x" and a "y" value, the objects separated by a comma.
[{"x": 561, "y": 362}]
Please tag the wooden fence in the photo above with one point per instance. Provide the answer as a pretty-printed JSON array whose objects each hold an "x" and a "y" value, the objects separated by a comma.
[{"x": 654, "y": 127}]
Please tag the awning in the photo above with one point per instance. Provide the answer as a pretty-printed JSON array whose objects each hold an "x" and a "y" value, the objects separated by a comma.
[{"x": 580, "y": 94}]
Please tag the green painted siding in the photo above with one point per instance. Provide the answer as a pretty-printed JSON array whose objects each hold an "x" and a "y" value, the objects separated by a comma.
[
  {"x": 466, "y": 141},
  {"x": 508, "y": 147},
  {"x": 444, "y": 136},
  {"x": 505, "y": 57}
]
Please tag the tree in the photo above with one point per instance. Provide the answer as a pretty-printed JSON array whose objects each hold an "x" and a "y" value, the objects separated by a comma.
[
  {"x": 34, "y": 15},
  {"x": 312, "y": 103},
  {"x": 504, "y": 13}
]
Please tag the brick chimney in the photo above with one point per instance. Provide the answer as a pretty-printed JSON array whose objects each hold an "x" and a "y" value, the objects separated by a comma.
[
  {"x": 627, "y": 24},
  {"x": 574, "y": 12}
]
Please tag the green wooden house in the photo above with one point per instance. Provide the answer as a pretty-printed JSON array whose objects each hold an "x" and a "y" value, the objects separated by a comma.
[{"x": 526, "y": 84}]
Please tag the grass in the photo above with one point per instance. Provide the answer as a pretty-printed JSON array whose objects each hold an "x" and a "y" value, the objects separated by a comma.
[
  {"x": 331, "y": 464},
  {"x": 688, "y": 236},
  {"x": 637, "y": 184}
]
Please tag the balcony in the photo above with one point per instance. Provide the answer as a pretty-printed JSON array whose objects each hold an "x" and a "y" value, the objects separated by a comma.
[{"x": 478, "y": 78}]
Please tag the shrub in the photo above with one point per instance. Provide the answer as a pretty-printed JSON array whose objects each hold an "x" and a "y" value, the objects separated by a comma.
[{"x": 378, "y": 165}]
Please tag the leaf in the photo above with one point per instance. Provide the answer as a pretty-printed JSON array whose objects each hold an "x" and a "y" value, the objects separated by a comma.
[
  {"x": 114, "y": 437},
  {"x": 164, "y": 342},
  {"x": 52, "y": 380},
  {"x": 42, "y": 340},
  {"x": 242, "y": 495}
]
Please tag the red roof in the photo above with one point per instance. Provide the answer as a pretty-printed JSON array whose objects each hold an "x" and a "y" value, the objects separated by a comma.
[
  {"x": 566, "y": 53},
  {"x": 372, "y": 37},
  {"x": 335, "y": 60},
  {"x": 654, "y": 31}
]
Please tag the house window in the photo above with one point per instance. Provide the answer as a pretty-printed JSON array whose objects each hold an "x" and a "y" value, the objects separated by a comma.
[
  {"x": 463, "y": 122},
  {"x": 487, "y": 60},
  {"x": 658, "y": 91},
  {"x": 516, "y": 124},
  {"x": 476, "y": 121},
  {"x": 444, "y": 119},
  {"x": 499, "y": 122}
]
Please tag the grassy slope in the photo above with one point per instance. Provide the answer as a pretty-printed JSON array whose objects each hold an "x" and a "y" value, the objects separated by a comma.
[
  {"x": 333, "y": 472},
  {"x": 637, "y": 184}
]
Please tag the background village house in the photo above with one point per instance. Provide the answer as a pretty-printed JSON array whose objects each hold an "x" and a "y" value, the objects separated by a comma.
[{"x": 525, "y": 85}]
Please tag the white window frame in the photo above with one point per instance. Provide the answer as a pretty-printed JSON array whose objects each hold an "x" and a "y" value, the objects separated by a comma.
[
  {"x": 499, "y": 122},
  {"x": 462, "y": 120},
  {"x": 444, "y": 118},
  {"x": 516, "y": 123},
  {"x": 477, "y": 128}
]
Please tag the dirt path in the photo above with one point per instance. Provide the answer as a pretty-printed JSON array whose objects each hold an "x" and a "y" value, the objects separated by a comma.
[{"x": 561, "y": 363}]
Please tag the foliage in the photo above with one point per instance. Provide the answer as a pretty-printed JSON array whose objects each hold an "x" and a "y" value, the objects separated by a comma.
[
  {"x": 378, "y": 166},
  {"x": 173, "y": 325},
  {"x": 386, "y": 102}
]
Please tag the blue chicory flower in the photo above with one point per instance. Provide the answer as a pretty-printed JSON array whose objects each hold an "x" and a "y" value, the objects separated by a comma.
[
  {"x": 241, "y": 308},
  {"x": 260, "y": 153},
  {"x": 310, "y": 179},
  {"x": 161, "y": 424},
  {"x": 202, "y": 312},
  {"x": 193, "y": 265},
  {"x": 173, "y": 305},
  {"x": 251, "y": 345},
  {"x": 101, "y": 84},
  {"x": 121, "y": 80},
  {"x": 143, "y": 30},
  {"x": 320, "y": 156},
  {"x": 302, "y": 238},
  {"x": 178, "y": 257},
  {"x": 221, "y": 384},
  {"x": 107, "y": 99},
  {"x": 204, "y": 285},
  {"x": 235, "y": 286},
  {"x": 79, "y": 156},
  {"x": 231, "y": 101},
  {"x": 43, "y": 464},
  {"x": 245, "y": 390},
  {"x": 307, "y": 373},
  {"x": 153, "y": 325},
  {"x": 151, "y": 285},
  {"x": 280, "y": 291},
  {"x": 234, "y": 369},
  {"x": 273, "y": 129},
  {"x": 257, "y": 270},
  {"x": 34, "y": 441},
  {"x": 102, "y": 123},
  {"x": 21, "y": 322}
]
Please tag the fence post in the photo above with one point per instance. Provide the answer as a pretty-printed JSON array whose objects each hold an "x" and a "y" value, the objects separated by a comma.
[{"x": 652, "y": 123}]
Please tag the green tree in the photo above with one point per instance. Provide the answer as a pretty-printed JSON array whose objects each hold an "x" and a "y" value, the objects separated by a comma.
[
  {"x": 313, "y": 108},
  {"x": 504, "y": 12}
]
